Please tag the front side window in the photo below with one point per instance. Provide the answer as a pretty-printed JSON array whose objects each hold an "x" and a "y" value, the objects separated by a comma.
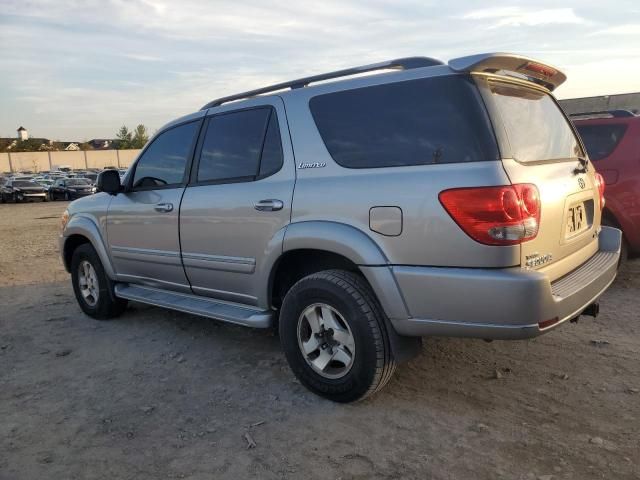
[
  {"x": 417, "y": 122},
  {"x": 164, "y": 161},
  {"x": 601, "y": 140},
  {"x": 236, "y": 142}
]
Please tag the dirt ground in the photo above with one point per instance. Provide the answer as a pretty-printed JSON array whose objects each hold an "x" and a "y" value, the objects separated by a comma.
[{"x": 157, "y": 394}]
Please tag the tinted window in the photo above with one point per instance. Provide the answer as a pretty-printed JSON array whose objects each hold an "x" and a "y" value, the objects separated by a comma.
[
  {"x": 418, "y": 122},
  {"x": 24, "y": 183},
  {"x": 77, "y": 181},
  {"x": 601, "y": 140},
  {"x": 536, "y": 128},
  {"x": 164, "y": 162},
  {"x": 232, "y": 145},
  {"x": 271, "y": 160}
]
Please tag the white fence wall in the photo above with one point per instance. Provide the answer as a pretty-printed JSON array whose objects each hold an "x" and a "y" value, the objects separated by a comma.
[{"x": 40, "y": 161}]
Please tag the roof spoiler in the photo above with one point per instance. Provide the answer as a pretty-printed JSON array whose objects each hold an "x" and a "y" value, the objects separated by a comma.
[{"x": 509, "y": 63}]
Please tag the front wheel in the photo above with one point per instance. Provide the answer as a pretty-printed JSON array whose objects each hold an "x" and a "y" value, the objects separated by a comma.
[
  {"x": 92, "y": 287},
  {"x": 334, "y": 336}
]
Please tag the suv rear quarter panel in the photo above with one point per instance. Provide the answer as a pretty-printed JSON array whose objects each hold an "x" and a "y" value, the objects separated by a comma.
[{"x": 334, "y": 193}]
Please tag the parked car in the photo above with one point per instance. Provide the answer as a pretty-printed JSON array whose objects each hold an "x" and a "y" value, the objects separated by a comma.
[
  {"x": 70, "y": 189},
  {"x": 45, "y": 182},
  {"x": 15, "y": 191},
  {"x": 437, "y": 199},
  {"x": 91, "y": 176},
  {"x": 612, "y": 139}
]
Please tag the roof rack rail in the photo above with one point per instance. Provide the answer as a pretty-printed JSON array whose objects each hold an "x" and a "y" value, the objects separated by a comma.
[
  {"x": 614, "y": 113},
  {"x": 406, "y": 63}
]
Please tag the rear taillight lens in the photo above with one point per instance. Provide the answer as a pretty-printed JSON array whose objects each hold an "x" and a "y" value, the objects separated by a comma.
[
  {"x": 600, "y": 187},
  {"x": 504, "y": 215}
]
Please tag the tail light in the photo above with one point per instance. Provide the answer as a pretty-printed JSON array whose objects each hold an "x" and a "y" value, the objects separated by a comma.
[
  {"x": 504, "y": 215},
  {"x": 600, "y": 186}
]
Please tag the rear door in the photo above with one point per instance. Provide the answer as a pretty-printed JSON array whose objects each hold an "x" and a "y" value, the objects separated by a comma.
[
  {"x": 539, "y": 146},
  {"x": 238, "y": 200},
  {"x": 142, "y": 223}
]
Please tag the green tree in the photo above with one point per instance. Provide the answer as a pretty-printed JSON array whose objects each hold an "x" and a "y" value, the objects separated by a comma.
[
  {"x": 125, "y": 137},
  {"x": 140, "y": 137},
  {"x": 29, "y": 145}
]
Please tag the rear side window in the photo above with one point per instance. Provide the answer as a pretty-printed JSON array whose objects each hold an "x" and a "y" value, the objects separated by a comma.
[
  {"x": 416, "y": 122},
  {"x": 601, "y": 140},
  {"x": 240, "y": 146},
  {"x": 271, "y": 160}
]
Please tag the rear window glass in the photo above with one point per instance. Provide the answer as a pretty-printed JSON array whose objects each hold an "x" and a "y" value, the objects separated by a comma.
[
  {"x": 416, "y": 122},
  {"x": 601, "y": 140},
  {"x": 536, "y": 128}
]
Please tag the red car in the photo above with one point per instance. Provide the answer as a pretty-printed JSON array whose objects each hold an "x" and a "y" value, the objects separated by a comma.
[{"x": 612, "y": 140}]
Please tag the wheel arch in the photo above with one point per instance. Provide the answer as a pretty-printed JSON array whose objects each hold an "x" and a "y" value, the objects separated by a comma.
[
  {"x": 310, "y": 247},
  {"x": 81, "y": 230}
]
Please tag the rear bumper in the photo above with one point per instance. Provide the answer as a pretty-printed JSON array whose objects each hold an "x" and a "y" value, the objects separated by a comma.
[{"x": 502, "y": 303}]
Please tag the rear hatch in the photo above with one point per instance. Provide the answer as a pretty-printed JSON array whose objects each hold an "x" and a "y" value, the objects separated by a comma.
[{"x": 539, "y": 146}]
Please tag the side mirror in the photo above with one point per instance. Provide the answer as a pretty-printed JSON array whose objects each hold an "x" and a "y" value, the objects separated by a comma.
[{"x": 109, "y": 182}]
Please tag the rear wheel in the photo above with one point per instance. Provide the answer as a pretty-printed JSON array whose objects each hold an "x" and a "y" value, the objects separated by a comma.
[
  {"x": 334, "y": 336},
  {"x": 92, "y": 287}
]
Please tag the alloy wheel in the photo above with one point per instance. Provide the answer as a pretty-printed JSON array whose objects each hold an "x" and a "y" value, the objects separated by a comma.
[
  {"x": 326, "y": 341},
  {"x": 88, "y": 283}
]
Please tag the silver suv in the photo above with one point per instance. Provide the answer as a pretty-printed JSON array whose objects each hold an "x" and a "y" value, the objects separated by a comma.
[{"x": 358, "y": 215}]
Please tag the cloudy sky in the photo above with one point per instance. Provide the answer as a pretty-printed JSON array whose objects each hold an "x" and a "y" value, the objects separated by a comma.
[{"x": 75, "y": 70}]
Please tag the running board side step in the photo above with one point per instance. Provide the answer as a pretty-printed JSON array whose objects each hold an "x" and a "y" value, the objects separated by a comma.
[{"x": 196, "y": 305}]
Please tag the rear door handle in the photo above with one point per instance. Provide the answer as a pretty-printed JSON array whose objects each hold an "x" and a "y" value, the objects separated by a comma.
[
  {"x": 164, "y": 207},
  {"x": 269, "y": 205}
]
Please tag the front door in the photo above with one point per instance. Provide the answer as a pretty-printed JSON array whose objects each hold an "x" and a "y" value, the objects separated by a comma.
[
  {"x": 238, "y": 201},
  {"x": 142, "y": 223}
]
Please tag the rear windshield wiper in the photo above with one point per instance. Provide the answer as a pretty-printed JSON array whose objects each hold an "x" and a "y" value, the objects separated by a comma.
[{"x": 584, "y": 166}]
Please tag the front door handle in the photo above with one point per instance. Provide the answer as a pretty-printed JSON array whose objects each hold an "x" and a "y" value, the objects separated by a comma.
[
  {"x": 270, "y": 205},
  {"x": 164, "y": 207}
]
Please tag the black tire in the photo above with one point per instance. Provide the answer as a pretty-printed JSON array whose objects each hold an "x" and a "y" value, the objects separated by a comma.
[
  {"x": 51, "y": 197},
  {"x": 67, "y": 197},
  {"x": 107, "y": 305},
  {"x": 624, "y": 247},
  {"x": 1, "y": 197},
  {"x": 348, "y": 293}
]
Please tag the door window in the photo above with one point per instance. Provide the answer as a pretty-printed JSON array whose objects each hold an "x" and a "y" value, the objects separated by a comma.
[
  {"x": 164, "y": 161},
  {"x": 237, "y": 143}
]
